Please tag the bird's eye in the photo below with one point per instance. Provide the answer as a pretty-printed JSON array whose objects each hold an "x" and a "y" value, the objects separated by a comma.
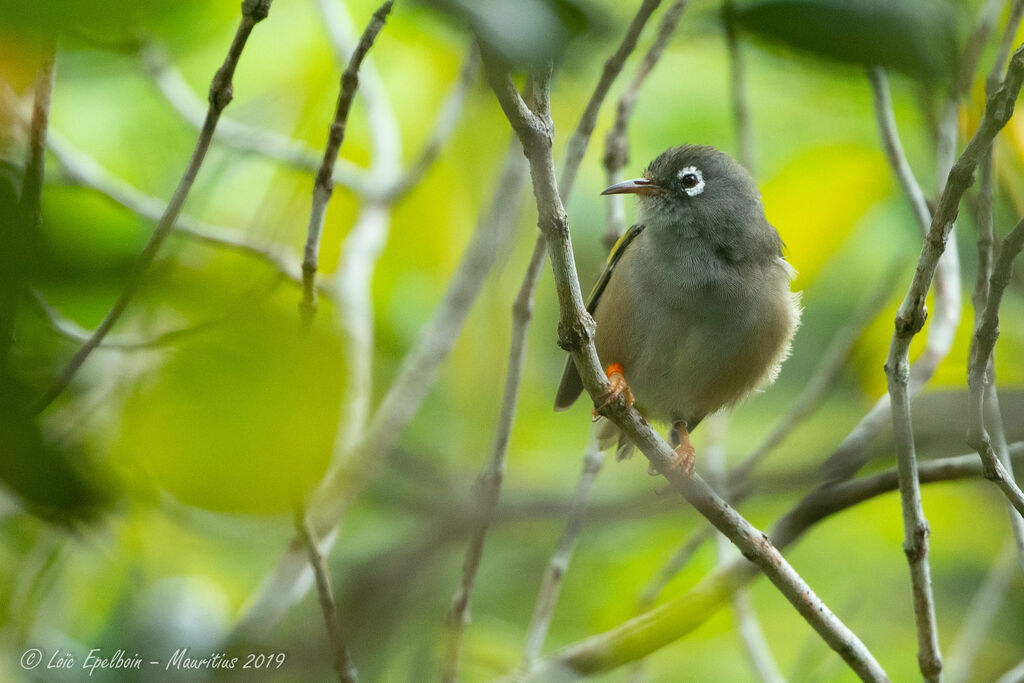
[{"x": 692, "y": 180}]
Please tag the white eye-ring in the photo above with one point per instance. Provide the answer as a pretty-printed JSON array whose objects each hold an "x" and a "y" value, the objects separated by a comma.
[{"x": 692, "y": 179}]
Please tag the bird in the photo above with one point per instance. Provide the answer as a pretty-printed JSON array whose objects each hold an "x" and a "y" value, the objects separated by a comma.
[{"x": 694, "y": 308}]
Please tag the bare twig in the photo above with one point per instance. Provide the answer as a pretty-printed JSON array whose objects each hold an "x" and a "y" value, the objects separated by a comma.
[
  {"x": 886, "y": 120},
  {"x": 988, "y": 14},
  {"x": 341, "y": 658},
  {"x": 253, "y": 11},
  {"x": 19, "y": 237},
  {"x": 241, "y": 136},
  {"x": 751, "y": 636},
  {"x": 81, "y": 169},
  {"x": 534, "y": 127},
  {"x": 979, "y": 297},
  {"x": 357, "y": 463},
  {"x": 511, "y": 181},
  {"x": 616, "y": 142},
  {"x": 985, "y": 604},
  {"x": 978, "y": 379},
  {"x": 551, "y": 584},
  {"x": 324, "y": 184},
  {"x": 522, "y": 312},
  {"x": 72, "y": 331},
  {"x": 909, "y": 320},
  {"x": 738, "y": 89},
  {"x": 653, "y": 630},
  {"x": 385, "y": 135}
]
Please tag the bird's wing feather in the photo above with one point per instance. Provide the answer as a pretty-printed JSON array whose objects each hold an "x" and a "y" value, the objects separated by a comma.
[{"x": 571, "y": 385}]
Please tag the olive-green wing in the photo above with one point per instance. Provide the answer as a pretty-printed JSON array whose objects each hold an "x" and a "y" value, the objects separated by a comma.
[{"x": 571, "y": 385}]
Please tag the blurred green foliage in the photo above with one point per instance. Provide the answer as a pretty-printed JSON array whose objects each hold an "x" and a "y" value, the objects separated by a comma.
[{"x": 195, "y": 449}]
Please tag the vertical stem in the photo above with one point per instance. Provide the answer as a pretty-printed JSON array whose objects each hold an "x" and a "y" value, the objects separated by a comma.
[
  {"x": 510, "y": 185},
  {"x": 738, "y": 89},
  {"x": 343, "y": 665},
  {"x": 551, "y": 584},
  {"x": 323, "y": 187}
]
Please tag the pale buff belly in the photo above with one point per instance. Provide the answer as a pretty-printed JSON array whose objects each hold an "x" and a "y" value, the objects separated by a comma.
[{"x": 688, "y": 360}]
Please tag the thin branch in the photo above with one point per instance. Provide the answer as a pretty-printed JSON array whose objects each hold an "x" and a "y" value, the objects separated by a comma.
[
  {"x": 985, "y": 604},
  {"x": 324, "y": 184},
  {"x": 385, "y": 135},
  {"x": 988, "y": 14},
  {"x": 577, "y": 145},
  {"x": 253, "y": 11},
  {"x": 83, "y": 170},
  {"x": 751, "y": 635},
  {"x": 20, "y": 236},
  {"x": 78, "y": 168},
  {"x": 522, "y": 312},
  {"x": 738, "y": 90},
  {"x": 979, "y": 297},
  {"x": 558, "y": 565},
  {"x": 357, "y": 463},
  {"x": 978, "y": 377},
  {"x": 616, "y": 141},
  {"x": 576, "y": 331},
  {"x": 511, "y": 182},
  {"x": 241, "y": 136},
  {"x": 909, "y": 320},
  {"x": 341, "y": 658},
  {"x": 651, "y": 631},
  {"x": 886, "y": 120},
  {"x": 72, "y": 331}
]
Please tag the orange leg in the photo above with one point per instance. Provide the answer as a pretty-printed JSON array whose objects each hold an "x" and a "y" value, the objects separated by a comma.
[
  {"x": 618, "y": 388},
  {"x": 686, "y": 455}
]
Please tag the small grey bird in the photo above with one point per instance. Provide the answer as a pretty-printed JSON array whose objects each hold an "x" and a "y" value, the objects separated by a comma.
[{"x": 694, "y": 308}]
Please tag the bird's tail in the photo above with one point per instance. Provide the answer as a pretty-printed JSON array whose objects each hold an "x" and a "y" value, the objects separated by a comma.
[{"x": 608, "y": 435}]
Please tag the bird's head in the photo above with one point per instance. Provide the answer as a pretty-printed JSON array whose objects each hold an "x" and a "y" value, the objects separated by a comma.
[{"x": 695, "y": 188}]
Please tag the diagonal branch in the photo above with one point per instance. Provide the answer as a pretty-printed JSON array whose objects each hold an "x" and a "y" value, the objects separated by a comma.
[
  {"x": 575, "y": 332},
  {"x": 651, "y": 631},
  {"x": 522, "y": 312},
  {"x": 341, "y": 658},
  {"x": 253, "y": 11},
  {"x": 558, "y": 565},
  {"x": 324, "y": 184},
  {"x": 910, "y": 319},
  {"x": 241, "y": 136},
  {"x": 978, "y": 376},
  {"x": 616, "y": 141}
]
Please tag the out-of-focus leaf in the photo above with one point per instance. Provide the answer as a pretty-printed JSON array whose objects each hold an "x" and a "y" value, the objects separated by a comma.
[
  {"x": 523, "y": 32},
  {"x": 59, "y": 484},
  {"x": 110, "y": 22},
  {"x": 853, "y": 178},
  {"x": 916, "y": 37},
  {"x": 240, "y": 418}
]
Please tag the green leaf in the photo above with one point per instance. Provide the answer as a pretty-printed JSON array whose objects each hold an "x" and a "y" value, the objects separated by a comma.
[{"x": 915, "y": 37}]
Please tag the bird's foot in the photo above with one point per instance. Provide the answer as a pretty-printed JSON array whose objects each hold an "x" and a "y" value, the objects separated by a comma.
[
  {"x": 618, "y": 388},
  {"x": 685, "y": 458}
]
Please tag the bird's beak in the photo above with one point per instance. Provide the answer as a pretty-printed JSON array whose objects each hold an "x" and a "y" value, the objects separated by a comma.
[{"x": 634, "y": 186}]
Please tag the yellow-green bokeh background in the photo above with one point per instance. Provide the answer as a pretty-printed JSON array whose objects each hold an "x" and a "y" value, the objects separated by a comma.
[{"x": 212, "y": 435}]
